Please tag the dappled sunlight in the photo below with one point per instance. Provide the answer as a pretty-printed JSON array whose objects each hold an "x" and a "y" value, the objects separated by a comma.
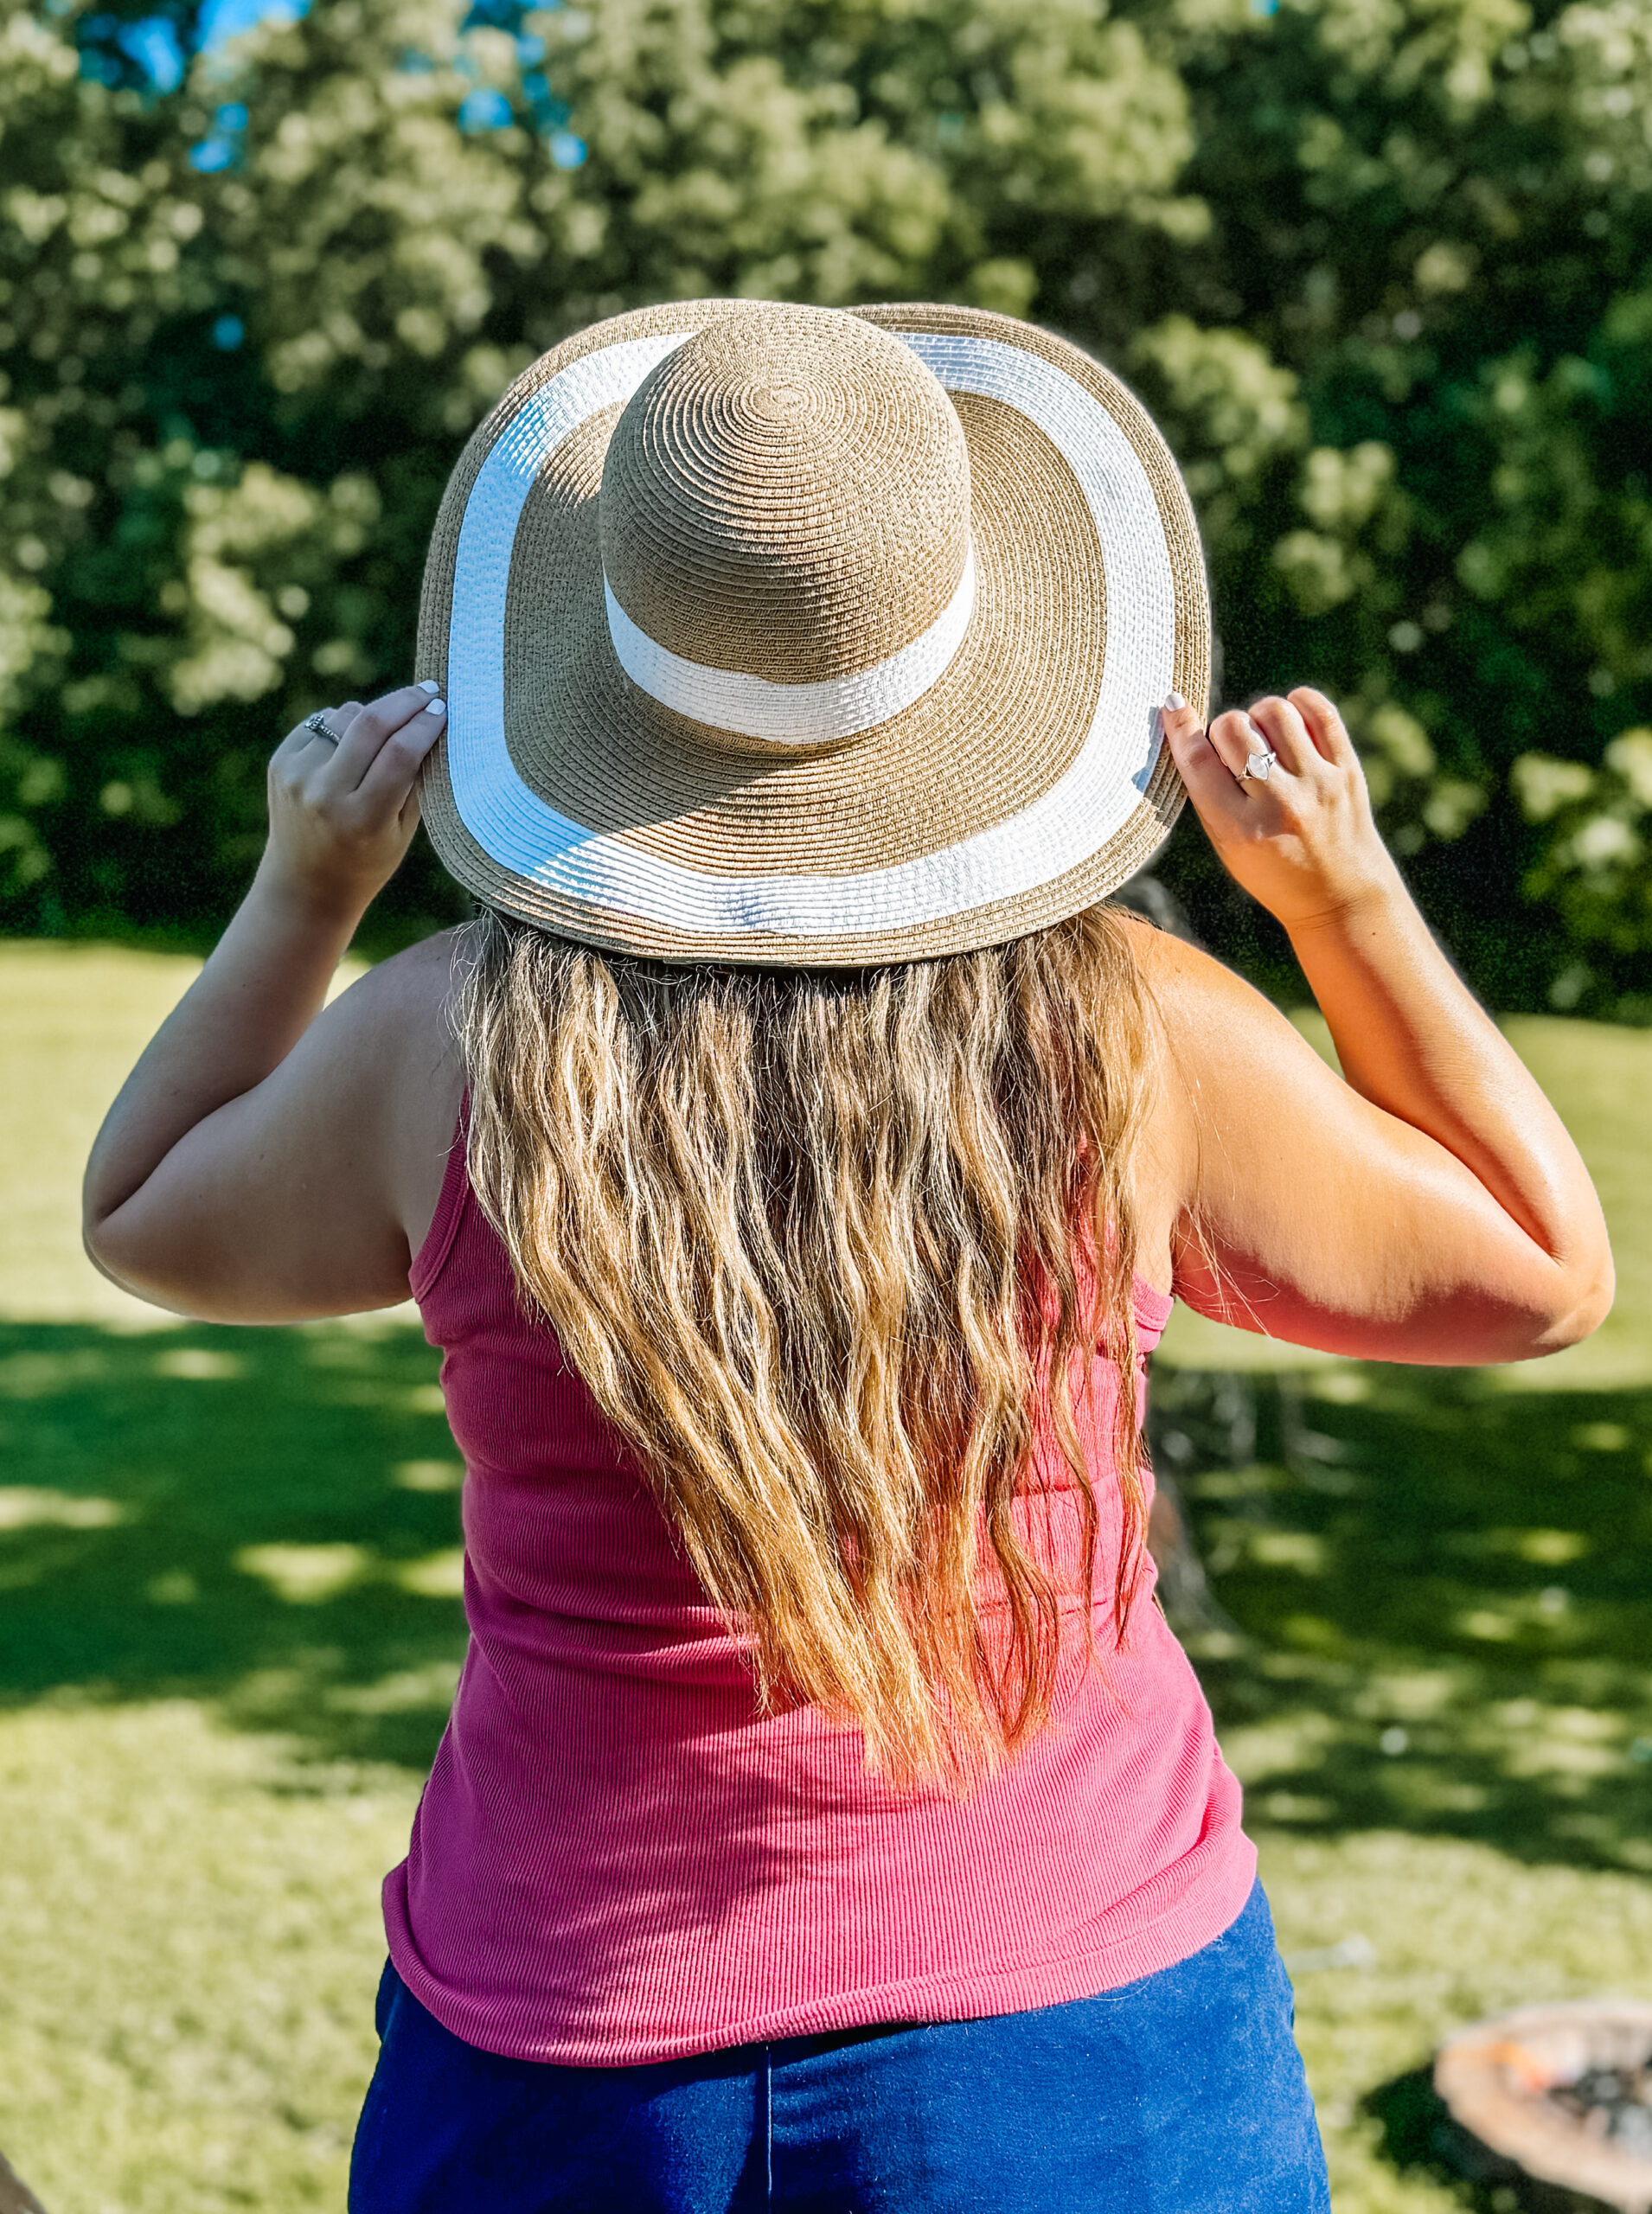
[
  {"x": 265, "y": 1519},
  {"x": 306, "y": 1575},
  {"x": 1433, "y": 1603},
  {"x": 198, "y": 1364},
  {"x": 30, "y": 1372},
  {"x": 303, "y": 1575},
  {"x": 25, "y": 1506},
  {"x": 1430, "y": 1602},
  {"x": 189, "y": 1920},
  {"x": 404, "y": 1691},
  {"x": 1395, "y": 1941},
  {"x": 428, "y": 1475},
  {"x": 439, "y": 1576}
]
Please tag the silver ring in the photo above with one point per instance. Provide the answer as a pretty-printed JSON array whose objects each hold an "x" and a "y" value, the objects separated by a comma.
[
  {"x": 1258, "y": 765},
  {"x": 317, "y": 722}
]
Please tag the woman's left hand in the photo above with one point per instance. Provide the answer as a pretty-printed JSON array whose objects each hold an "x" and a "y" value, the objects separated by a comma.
[
  {"x": 343, "y": 808},
  {"x": 249, "y": 1169}
]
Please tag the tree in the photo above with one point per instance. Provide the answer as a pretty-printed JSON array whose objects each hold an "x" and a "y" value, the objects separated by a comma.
[
  {"x": 1434, "y": 221},
  {"x": 1378, "y": 269}
]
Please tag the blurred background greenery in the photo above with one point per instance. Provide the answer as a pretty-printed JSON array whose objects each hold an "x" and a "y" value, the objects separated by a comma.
[{"x": 1380, "y": 267}]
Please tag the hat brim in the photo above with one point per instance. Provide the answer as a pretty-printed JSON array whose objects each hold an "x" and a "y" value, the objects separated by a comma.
[{"x": 1030, "y": 781}]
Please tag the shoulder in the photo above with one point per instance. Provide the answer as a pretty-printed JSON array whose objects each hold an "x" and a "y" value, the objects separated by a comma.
[
  {"x": 1220, "y": 1049},
  {"x": 398, "y": 1010},
  {"x": 413, "y": 983},
  {"x": 397, "y": 1028},
  {"x": 1188, "y": 987},
  {"x": 1207, "y": 1020}
]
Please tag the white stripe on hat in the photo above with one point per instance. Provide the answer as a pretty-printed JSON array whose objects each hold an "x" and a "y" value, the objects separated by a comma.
[
  {"x": 1063, "y": 827},
  {"x": 794, "y": 714}
]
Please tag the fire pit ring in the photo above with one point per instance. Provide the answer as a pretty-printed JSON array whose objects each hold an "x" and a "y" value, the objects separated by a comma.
[{"x": 1564, "y": 2091}]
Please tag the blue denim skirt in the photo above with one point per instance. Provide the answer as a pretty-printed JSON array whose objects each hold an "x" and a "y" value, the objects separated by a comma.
[{"x": 1181, "y": 2093}]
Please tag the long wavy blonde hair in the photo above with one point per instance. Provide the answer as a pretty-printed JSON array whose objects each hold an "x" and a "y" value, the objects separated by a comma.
[{"x": 821, "y": 1244}]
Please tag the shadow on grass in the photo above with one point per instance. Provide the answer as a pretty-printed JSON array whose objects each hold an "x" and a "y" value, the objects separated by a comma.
[
  {"x": 1420, "y": 2140},
  {"x": 266, "y": 1517},
  {"x": 1434, "y": 1594}
]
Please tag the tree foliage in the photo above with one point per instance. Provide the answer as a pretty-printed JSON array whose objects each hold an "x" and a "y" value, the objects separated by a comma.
[{"x": 1380, "y": 267}]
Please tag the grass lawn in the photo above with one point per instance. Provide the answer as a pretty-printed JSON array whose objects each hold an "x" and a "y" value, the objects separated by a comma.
[{"x": 229, "y": 1630}]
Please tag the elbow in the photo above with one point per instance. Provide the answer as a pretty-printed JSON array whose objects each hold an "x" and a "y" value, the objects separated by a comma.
[
  {"x": 92, "y": 1243},
  {"x": 1585, "y": 1298},
  {"x": 101, "y": 1243},
  {"x": 96, "y": 1244},
  {"x": 102, "y": 1219},
  {"x": 112, "y": 1234},
  {"x": 99, "y": 1205},
  {"x": 1593, "y": 1307}
]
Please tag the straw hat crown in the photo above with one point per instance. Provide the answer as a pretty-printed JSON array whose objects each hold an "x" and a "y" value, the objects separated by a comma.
[{"x": 786, "y": 496}]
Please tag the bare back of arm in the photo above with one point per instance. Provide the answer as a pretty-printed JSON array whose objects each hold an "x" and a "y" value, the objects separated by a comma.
[
  {"x": 308, "y": 1193},
  {"x": 267, "y": 1160},
  {"x": 1430, "y": 1208}
]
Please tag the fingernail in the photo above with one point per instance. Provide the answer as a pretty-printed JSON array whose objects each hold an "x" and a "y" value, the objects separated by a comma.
[
  {"x": 436, "y": 706},
  {"x": 428, "y": 684},
  {"x": 1175, "y": 702}
]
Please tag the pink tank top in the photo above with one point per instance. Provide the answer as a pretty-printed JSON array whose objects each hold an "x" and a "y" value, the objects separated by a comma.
[{"x": 617, "y": 1859}]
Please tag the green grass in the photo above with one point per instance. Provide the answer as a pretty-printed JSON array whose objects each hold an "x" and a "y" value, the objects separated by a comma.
[
  {"x": 228, "y": 1633},
  {"x": 190, "y": 1922},
  {"x": 265, "y": 1518},
  {"x": 1439, "y": 1619}
]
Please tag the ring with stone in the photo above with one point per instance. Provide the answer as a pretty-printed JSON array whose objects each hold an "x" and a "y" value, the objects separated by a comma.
[
  {"x": 317, "y": 722},
  {"x": 1258, "y": 765}
]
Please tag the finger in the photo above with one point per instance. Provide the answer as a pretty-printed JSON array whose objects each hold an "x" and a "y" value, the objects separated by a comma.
[
  {"x": 1205, "y": 774},
  {"x": 322, "y": 738},
  {"x": 1235, "y": 739},
  {"x": 1323, "y": 724},
  {"x": 291, "y": 747},
  {"x": 339, "y": 718},
  {"x": 369, "y": 728},
  {"x": 1284, "y": 732},
  {"x": 304, "y": 750},
  {"x": 395, "y": 768}
]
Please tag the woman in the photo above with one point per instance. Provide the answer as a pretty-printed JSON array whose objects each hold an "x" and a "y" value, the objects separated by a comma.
[{"x": 795, "y": 1162}]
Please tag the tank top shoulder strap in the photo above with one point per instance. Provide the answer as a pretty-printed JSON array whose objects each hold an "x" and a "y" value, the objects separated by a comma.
[
  {"x": 455, "y": 1196},
  {"x": 1153, "y": 1310}
]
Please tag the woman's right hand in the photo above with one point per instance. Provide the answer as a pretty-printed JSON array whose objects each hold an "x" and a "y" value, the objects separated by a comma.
[{"x": 1304, "y": 840}]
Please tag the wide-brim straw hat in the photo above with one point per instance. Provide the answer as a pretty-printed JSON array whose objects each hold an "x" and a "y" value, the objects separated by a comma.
[{"x": 808, "y": 636}]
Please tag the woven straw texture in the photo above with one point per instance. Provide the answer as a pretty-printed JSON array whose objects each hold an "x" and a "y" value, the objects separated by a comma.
[{"x": 791, "y": 521}]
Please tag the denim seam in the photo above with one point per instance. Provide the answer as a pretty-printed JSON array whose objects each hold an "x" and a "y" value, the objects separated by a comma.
[{"x": 768, "y": 2125}]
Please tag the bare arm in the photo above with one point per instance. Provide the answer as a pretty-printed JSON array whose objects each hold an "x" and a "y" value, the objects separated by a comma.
[
  {"x": 1433, "y": 1207},
  {"x": 254, "y": 1165}
]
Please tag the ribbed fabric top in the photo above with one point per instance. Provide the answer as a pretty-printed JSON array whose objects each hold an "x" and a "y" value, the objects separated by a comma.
[{"x": 617, "y": 1859}]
